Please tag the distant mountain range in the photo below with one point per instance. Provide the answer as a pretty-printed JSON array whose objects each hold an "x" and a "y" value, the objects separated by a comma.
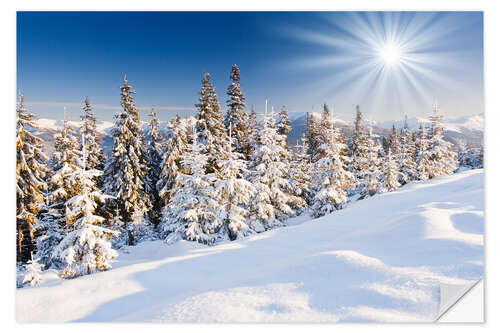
[{"x": 469, "y": 128}]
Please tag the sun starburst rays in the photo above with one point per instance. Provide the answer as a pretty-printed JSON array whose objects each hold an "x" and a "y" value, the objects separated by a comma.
[{"x": 381, "y": 58}]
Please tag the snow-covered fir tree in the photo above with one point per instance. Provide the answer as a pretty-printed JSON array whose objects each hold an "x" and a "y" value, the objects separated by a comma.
[
  {"x": 252, "y": 129},
  {"x": 125, "y": 171},
  {"x": 274, "y": 200},
  {"x": 95, "y": 155},
  {"x": 236, "y": 117},
  {"x": 174, "y": 147},
  {"x": 153, "y": 164},
  {"x": 61, "y": 187},
  {"x": 365, "y": 162},
  {"x": 299, "y": 172},
  {"x": 232, "y": 191},
  {"x": 390, "y": 173},
  {"x": 30, "y": 184},
  {"x": 331, "y": 178},
  {"x": 324, "y": 136},
  {"x": 394, "y": 141},
  {"x": 284, "y": 127},
  {"x": 86, "y": 247},
  {"x": 443, "y": 158},
  {"x": 65, "y": 161},
  {"x": 469, "y": 156},
  {"x": 192, "y": 213},
  {"x": 50, "y": 231},
  {"x": 422, "y": 154},
  {"x": 210, "y": 126},
  {"x": 369, "y": 167},
  {"x": 406, "y": 156},
  {"x": 313, "y": 134},
  {"x": 33, "y": 269}
]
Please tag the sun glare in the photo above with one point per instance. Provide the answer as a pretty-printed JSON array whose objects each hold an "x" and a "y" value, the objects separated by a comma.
[{"x": 390, "y": 54}]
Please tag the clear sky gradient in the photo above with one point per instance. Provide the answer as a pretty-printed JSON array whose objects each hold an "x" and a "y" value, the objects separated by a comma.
[{"x": 297, "y": 59}]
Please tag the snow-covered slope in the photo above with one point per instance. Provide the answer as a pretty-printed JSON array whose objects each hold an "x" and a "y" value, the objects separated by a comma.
[{"x": 380, "y": 259}]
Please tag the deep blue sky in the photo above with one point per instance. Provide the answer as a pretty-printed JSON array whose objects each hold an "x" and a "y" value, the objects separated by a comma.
[{"x": 297, "y": 59}]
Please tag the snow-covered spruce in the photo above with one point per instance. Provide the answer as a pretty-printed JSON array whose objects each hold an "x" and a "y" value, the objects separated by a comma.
[
  {"x": 331, "y": 178},
  {"x": 65, "y": 160},
  {"x": 210, "y": 127},
  {"x": 236, "y": 118},
  {"x": 192, "y": 211},
  {"x": 33, "y": 269},
  {"x": 366, "y": 163},
  {"x": 86, "y": 247},
  {"x": 422, "y": 154},
  {"x": 390, "y": 173},
  {"x": 268, "y": 172},
  {"x": 299, "y": 173},
  {"x": 125, "y": 173},
  {"x": 443, "y": 158},
  {"x": 468, "y": 156},
  {"x": 406, "y": 157},
  {"x": 93, "y": 148},
  {"x": 232, "y": 191},
  {"x": 153, "y": 164},
  {"x": 284, "y": 127},
  {"x": 30, "y": 173},
  {"x": 173, "y": 148},
  {"x": 51, "y": 231}
]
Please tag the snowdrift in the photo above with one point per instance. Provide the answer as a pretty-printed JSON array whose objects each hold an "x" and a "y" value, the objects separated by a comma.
[{"x": 381, "y": 259}]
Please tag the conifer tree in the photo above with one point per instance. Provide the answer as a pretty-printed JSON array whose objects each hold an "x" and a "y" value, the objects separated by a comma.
[
  {"x": 95, "y": 155},
  {"x": 299, "y": 172},
  {"x": 125, "y": 170},
  {"x": 30, "y": 184},
  {"x": 32, "y": 276},
  {"x": 153, "y": 164},
  {"x": 331, "y": 178},
  {"x": 390, "y": 173},
  {"x": 422, "y": 155},
  {"x": 313, "y": 134},
  {"x": 51, "y": 231},
  {"x": 175, "y": 146},
  {"x": 192, "y": 211},
  {"x": 232, "y": 191},
  {"x": 86, "y": 247},
  {"x": 65, "y": 161},
  {"x": 406, "y": 157},
  {"x": 360, "y": 151},
  {"x": 284, "y": 127},
  {"x": 236, "y": 117},
  {"x": 469, "y": 156},
  {"x": 210, "y": 126},
  {"x": 252, "y": 132},
  {"x": 394, "y": 142},
  {"x": 61, "y": 187},
  {"x": 369, "y": 167},
  {"x": 269, "y": 174},
  {"x": 324, "y": 137},
  {"x": 443, "y": 158}
]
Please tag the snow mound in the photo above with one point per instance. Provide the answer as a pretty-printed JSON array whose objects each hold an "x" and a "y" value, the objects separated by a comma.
[{"x": 381, "y": 259}]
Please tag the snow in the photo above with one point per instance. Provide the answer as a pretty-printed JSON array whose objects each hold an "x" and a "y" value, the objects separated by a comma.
[{"x": 380, "y": 259}]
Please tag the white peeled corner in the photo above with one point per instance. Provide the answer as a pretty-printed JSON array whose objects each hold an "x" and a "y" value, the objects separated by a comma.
[{"x": 461, "y": 303}]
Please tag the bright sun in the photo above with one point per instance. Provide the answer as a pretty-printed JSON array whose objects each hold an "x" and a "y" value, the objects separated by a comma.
[{"x": 390, "y": 54}]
